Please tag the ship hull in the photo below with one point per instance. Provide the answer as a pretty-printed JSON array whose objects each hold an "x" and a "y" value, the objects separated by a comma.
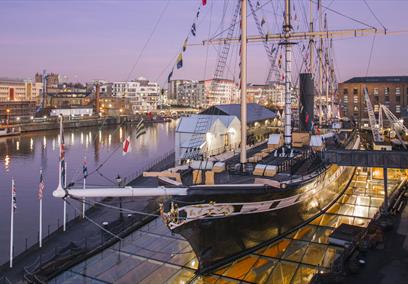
[{"x": 247, "y": 225}]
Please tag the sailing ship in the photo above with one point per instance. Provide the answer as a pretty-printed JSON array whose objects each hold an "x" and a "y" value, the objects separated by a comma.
[{"x": 245, "y": 204}]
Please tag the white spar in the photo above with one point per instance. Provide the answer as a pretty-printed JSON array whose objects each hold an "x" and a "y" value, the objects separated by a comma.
[{"x": 119, "y": 192}]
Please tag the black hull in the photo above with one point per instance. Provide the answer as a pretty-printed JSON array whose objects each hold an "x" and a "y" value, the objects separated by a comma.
[{"x": 215, "y": 239}]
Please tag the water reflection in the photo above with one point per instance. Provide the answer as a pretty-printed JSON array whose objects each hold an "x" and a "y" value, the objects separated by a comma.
[{"x": 22, "y": 157}]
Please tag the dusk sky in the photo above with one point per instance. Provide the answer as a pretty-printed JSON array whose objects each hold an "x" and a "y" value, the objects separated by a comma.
[{"x": 95, "y": 39}]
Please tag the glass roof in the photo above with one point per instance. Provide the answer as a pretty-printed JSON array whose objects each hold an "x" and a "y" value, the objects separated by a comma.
[{"x": 154, "y": 255}]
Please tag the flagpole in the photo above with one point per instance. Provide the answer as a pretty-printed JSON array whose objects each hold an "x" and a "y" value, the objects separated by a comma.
[
  {"x": 83, "y": 200},
  {"x": 64, "y": 227},
  {"x": 12, "y": 224},
  {"x": 40, "y": 237}
]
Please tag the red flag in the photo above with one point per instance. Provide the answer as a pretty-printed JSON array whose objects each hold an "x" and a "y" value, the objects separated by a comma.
[
  {"x": 204, "y": 2},
  {"x": 126, "y": 146}
]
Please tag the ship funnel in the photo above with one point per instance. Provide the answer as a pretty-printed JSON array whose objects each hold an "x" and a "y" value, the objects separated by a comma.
[{"x": 306, "y": 104}]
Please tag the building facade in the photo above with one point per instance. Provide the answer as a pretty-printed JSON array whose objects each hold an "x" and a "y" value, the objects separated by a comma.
[
  {"x": 270, "y": 94},
  {"x": 142, "y": 94},
  {"x": 391, "y": 91},
  {"x": 19, "y": 90}
]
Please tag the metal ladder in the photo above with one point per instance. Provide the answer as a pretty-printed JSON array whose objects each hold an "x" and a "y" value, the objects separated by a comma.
[{"x": 198, "y": 138}]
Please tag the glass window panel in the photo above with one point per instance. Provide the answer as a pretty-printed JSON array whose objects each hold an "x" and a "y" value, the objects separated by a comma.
[
  {"x": 346, "y": 209},
  {"x": 363, "y": 200},
  {"x": 306, "y": 233},
  {"x": 314, "y": 254},
  {"x": 123, "y": 265},
  {"x": 160, "y": 275},
  {"x": 376, "y": 202},
  {"x": 361, "y": 222},
  {"x": 361, "y": 211},
  {"x": 205, "y": 280},
  {"x": 275, "y": 250},
  {"x": 317, "y": 220},
  {"x": 223, "y": 280},
  {"x": 261, "y": 270},
  {"x": 304, "y": 274},
  {"x": 282, "y": 273},
  {"x": 295, "y": 251},
  {"x": 140, "y": 272},
  {"x": 344, "y": 220},
  {"x": 335, "y": 208},
  {"x": 331, "y": 254},
  {"x": 322, "y": 235},
  {"x": 329, "y": 220},
  {"x": 183, "y": 276},
  {"x": 239, "y": 268},
  {"x": 372, "y": 212}
]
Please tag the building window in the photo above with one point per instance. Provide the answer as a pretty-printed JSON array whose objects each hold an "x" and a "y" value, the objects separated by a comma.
[
  {"x": 386, "y": 91},
  {"x": 355, "y": 91},
  {"x": 376, "y": 108},
  {"x": 355, "y": 108},
  {"x": 397, "y": 108},
  {"x": 355, "y": 99},
  {"x": 345, "y": 99},
  {"x": 398, "y": 99},
  {"x": 345, "y": 91},
  {"x": 387, "y": 99},
  {"x": 397, "y": 91},
  {"x": 377, "y": 99},
  {"x": 375, "y": 91}
]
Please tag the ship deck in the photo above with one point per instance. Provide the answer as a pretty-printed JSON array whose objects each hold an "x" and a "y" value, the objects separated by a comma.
[{"x": 153, "y": 255}]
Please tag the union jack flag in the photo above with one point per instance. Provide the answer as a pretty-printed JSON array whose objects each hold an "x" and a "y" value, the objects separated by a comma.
[
  {"x": 13, "y": 195},
  {"x": 41, "y": 186}
]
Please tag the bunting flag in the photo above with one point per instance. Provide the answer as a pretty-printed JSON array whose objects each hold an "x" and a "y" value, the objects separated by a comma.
[
  {"x": 140, "y": 129},
  {"x": 198, "y": 12},
  {"x": 13, "y": 195},
  {"x": 262, "y": 21},
  {"x": 193, "y": 29},
  {"x": 41, "y": 186},
  {"x": 85, "y": 169},
  {"x": 180, "y": 61},
  {"x": 170, "y": 75},
  {"x": 185, "y": 44},
  {"x": 126, "y": 146},
  {"x": 258, "y": 4},
  {"x": 204, "y": 2}
]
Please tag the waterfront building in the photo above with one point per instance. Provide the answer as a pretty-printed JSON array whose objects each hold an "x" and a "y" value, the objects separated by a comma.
[
  {"x": 269, "y": 94},
  {"x": 391, "y": 91},
  {"x": 191, "y": 94},
  {"x": 114, "y": 106},
  {"x": 13, "y": 111},
  {"x": 19, "y": 90},
  {"x": 69, "y": 97},
  {"x": 173, "y": 90},
  {"x": 143, "y": 95},
  {"x": 53, "y": 81}
]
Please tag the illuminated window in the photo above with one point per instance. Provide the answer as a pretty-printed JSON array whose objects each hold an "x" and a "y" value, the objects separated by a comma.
[
  {"x": 397, "y": 91},
  {"x": 375, "y": 91},
  {"x": 397, "y": 108}
]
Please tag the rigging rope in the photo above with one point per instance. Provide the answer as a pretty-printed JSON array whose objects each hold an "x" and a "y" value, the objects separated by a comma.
[{"x": 122, "y": 239}]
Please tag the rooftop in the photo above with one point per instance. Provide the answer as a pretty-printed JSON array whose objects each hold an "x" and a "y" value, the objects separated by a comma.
[
  {"x": 378, "y": 79},
  {"x": 255, "y": 112}
]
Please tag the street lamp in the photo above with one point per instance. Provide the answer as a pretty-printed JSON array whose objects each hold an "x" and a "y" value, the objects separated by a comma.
[
  {"x": 119, "y": 182},
  {"x": 8, "y": 116}
]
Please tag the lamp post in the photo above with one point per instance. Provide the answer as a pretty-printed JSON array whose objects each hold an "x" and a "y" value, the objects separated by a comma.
[
  {"x": 119, "y": 182},
  {"x": 7, "y": 116}
]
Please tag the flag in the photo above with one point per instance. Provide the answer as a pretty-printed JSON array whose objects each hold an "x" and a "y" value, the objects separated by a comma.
[
  {"x": 204, "y": 2},
  {"x": 85, "y": 169},
  {"x": 41, "y": 186},
  {"x": 198, "y": 12},
  {"x": 185, "y": 45},
  {"x": 170, "y": 75},
  {"x": 13, "y": 195},
  {"x": 180, "y": 61},
  {"x": 140, "y": 129},
  {"x": 126, "y": 146},
  {"x": 193, "y": 29},
  {"x": 262, "y": 22}
]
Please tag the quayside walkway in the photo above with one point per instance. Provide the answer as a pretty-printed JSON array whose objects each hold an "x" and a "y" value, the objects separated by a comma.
[
  {"x": 153, "y": 255},
  {"x": 82, "y": 239}
]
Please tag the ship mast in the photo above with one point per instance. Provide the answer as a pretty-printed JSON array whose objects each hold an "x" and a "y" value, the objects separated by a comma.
[
  {"x": 288, "y": 77},
  {"x": 243, "y": 81}
]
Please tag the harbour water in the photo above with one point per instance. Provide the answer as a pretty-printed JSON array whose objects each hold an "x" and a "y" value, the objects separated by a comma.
[{"x": 23, "y": 156}]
